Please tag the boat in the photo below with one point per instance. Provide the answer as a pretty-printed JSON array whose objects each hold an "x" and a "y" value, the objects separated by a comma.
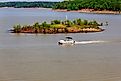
[{"x": 67, "y": 40}]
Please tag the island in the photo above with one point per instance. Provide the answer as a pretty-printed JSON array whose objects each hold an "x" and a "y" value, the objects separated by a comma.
[{"x": 59, "y": 26}]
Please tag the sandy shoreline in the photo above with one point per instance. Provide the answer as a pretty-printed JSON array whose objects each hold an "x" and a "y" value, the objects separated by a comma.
[{"x": 89, "y": 11}]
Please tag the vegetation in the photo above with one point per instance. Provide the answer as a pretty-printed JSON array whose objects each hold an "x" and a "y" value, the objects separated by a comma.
[
  {"x": 112, "y": 5},
  {"x": 57, "y": 26},
  {"x": 27, "y": 4}
]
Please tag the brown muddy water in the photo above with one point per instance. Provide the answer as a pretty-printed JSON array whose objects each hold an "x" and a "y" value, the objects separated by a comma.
[{"x": 38, "y": 57}]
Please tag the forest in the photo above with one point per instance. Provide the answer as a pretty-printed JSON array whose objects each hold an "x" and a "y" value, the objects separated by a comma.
[
  {"x": 27, "y": 4},
  {"x": 113, "y": 5}
]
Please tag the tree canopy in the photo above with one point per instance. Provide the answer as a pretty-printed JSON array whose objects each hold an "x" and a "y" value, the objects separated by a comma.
[
  {"x": 114, "y": 5},
  {"x": 27, "y": 4}
]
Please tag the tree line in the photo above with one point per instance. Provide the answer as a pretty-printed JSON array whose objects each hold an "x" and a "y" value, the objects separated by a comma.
[
  {"x": 114, "y": 5},
  {"x": 27, "y": 4}
]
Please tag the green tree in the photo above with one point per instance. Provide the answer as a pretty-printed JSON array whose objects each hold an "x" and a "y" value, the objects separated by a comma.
[
  {"x": 95, "y": 23},
  {"x": 45, "y": 25},
  {"x": 79, "y": 22},
  {"x": 17, "y": 28},
  {"x": 36, "y": 25},
  {"x": 85, "y": 22},
  {"x": 55, "y": 22},
  {"x": 74, "y": 22},
  {"x": 68, "y": 23}
]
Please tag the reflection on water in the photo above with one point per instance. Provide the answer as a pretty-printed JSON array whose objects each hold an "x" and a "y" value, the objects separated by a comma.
[{"x": 38, "y": 57}]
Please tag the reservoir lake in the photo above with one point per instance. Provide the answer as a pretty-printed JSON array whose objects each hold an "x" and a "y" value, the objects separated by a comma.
[{"x": 38, "y": 57}]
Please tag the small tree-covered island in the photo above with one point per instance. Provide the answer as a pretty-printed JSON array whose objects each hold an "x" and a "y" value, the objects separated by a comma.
[{"x": 58, "y": 26}]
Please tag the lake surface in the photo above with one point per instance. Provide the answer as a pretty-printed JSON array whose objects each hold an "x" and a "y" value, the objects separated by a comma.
[{"x": 37, "y": 57}]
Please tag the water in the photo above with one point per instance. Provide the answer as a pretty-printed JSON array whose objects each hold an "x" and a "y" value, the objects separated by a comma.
[{"x": 37, "y": 57}]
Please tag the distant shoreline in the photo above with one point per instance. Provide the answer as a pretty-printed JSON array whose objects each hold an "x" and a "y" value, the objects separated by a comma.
[
  {"x": 89, "y": 11},
  {"x": 27, "y": 8},
  {"x": 92, "y": 11}
]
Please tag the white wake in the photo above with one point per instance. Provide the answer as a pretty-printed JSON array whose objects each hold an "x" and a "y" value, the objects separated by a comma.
[{"x": 89, "y": 42}]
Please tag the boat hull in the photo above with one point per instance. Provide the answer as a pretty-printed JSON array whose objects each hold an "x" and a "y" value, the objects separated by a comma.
[{"x": 66, "y": 42}]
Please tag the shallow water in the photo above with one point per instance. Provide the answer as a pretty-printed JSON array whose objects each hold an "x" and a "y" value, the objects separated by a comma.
[{"x": 38, "y": 57}]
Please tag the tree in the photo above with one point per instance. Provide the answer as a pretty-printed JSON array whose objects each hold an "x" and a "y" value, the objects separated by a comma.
[
  {"x": 68, "y": 23},
  {"x": 55, "y": 22},
  {"x": 45, "y": 25},
  {"x": 95, "y": 23},
  {"x": 85, "y": 22},
  {"x": 36, "y": 25},
  {"x": 17, "y": 28},
  {"x": 79, "y": 21},
  {"x": 74, "y": 22}
]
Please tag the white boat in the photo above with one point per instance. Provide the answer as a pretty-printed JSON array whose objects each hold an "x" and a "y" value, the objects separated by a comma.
[
  {"x": 67, "y": 40},
  {"x": 70, "y": 41}
]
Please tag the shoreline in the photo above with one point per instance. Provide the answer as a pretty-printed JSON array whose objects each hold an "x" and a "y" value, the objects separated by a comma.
[
  {"x": 92, "y": 11},
  {"x": 26, "y": 8},
  {"x": 59, "y": 30}
]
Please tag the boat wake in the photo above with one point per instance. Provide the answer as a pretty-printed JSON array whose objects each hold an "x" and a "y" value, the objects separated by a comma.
[
  {"x": 69, "y": 41},
  {"x": 89, "y": 42}
]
